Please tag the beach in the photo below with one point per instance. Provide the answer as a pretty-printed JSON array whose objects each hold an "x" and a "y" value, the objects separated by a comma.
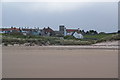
[{"x": 60, "y": 61}]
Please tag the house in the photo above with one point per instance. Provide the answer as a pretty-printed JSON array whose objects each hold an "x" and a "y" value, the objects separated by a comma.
[
  {"x": 74, "y": 32},
  {"x": 10, "y": 30},
  {"x": 58, "y": 34},
  {"x": 1, "y": 31},
  {"x": 78, "y": 35},
  {"x": 24, "y": 31},
  {"x": 71, "y": 31},
  {"x": 36, "y": 32},
  {"x": 47, "y": 32},
  {"x": 27, "y": 31}
]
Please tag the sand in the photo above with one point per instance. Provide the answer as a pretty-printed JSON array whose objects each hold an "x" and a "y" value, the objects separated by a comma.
[
  {"x": 108, "y": 43},
  {"x": 59, "y": 62}
]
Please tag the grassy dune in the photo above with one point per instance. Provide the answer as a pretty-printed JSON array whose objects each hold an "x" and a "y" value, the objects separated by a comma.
[{"x": 41, "y": 40}]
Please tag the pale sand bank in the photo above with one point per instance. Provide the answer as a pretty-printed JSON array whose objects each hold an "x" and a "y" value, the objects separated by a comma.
[
  {"x": 41, "y": 62},
  {"x": 108, "y": 43},
  {"x": 94, "y": 46},
  {"x": 103, "y": 45}
]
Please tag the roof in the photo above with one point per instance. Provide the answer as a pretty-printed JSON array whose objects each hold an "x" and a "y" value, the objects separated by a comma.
[
  {"x": 8, "y": 29},
  {"x": 71, "y": 30},
  {"x": 48, "y": 29},
  {"x": 26, "y": 29}
]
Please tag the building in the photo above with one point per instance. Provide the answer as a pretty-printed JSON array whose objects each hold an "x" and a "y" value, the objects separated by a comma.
[
  {"x": 26, "y": 31},
  {"x": 71, "y": 31},
  {"x": 78, "y": 35},
  {"x": 47, "y": 32},
  {"x": 62, "y": 30},
  {"x": 74, "y": 32},
  {"x": 10, "y": 30}
]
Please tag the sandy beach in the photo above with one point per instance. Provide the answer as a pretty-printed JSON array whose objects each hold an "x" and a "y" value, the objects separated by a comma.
[{"x": 60, "y": 62}]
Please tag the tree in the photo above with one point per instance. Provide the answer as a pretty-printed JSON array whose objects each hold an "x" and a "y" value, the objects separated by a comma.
[
  {"x": 91, "y": 32},
  {"x": 102, "y": 33},
  {"x": 83, "y": 32},
  {"x": 118, "y": 31}
]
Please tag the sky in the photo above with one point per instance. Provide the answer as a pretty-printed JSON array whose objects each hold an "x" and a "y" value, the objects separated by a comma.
[
  {"x": 100, "y": 16},
  {"x": 60, "y": 0}
]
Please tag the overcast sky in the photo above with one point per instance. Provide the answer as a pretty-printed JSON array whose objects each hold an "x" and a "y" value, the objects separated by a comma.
[{"x": 100, "y": 16}]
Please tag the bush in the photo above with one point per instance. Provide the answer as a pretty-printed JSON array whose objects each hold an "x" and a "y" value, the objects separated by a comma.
[
  {"x": 5, "y": 44},
  {"x": 68, "y": 40},
  {"x": 110, "y": 38},
  {"x": 69, "y": 37},
  {"x": 75, "y": 42}
]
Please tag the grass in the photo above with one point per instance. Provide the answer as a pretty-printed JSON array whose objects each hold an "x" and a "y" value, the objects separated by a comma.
[
  {"x": 109, "y": 38},
  {"x": 97, "y": 36},
  {"x": 45, "y": 40}
]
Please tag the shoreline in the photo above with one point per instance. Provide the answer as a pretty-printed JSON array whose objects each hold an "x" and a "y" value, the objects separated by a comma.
[{"x": 107, "y": 47}]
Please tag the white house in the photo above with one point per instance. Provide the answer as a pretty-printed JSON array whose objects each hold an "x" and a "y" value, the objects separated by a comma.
[
  {"x": 78, "y": 35},
  {"x": 74, "y": 32}
]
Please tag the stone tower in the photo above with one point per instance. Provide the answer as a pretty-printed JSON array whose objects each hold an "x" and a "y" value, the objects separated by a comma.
[{"x": 62, "y": 30}]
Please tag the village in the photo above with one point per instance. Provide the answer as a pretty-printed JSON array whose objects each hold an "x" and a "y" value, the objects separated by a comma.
[
  {"x": 77, "y": 33},
  {"x": 47, "y": 36}
]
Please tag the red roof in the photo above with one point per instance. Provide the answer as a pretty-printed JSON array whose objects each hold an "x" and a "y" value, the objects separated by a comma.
[
  {"x": 8, "y": 29},
  {"x": 26, "y": 29},
  {"x": 71, "y": 30}
]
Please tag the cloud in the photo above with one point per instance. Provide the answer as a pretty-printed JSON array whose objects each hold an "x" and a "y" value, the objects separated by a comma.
[
  {"x": 60, "y": 0},
  {"x": 40, "y": 7},
  {"x": 55, "y": 6},
  {"x": 94, "y": 15}
]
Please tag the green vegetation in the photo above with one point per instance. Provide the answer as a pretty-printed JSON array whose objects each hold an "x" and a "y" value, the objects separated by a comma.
[
  {"x": 111, "y": 37},
  {"x": 69, "y": 37},
  {"x": 11, "y": 39},
  {"x": 97, "y": 36}
]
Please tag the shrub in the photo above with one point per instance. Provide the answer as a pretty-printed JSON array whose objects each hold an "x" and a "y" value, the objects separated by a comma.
[
  {"x": 69, "y": 37},
  {"x": 5, "y": 44}
]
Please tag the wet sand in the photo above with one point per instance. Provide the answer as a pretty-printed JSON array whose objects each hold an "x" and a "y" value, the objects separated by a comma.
[{"x": 53, "y": 62}]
